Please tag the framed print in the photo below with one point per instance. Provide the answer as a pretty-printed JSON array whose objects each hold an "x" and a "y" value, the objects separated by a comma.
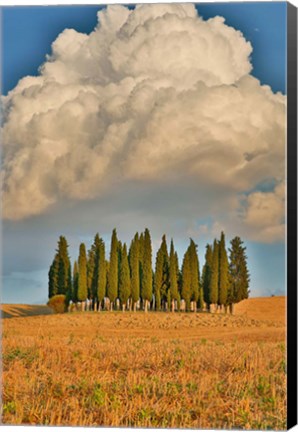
[{"x": 149, "y": 222}]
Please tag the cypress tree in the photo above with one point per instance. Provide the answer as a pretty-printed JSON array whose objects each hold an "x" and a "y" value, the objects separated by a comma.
[
  {"x": 63, "y": 273},
  {"x": 119, "y": 252},
  {"x": 161, "y": 279},
  {"x": 91, "y": 272},
  {"x": 141, "y": 247},
  {"x": 214, "y": 275},
  {"x": 179, "y": 281},
  {"x": 186, "y": 280},
  {"x": 238, "y": 273},
  {"x": 101, "y": 279},
  {"x": 141, "y": 259},
  {"x": 223, "y": 283},
  {"x": 124, "y": 279},
  {"x": 194, "y": 271},
  {"x": 113, "y": 270},
  {"x": 82, "y": 279},
  {"x": 53, "y": 277},
  {"x": 173, "y": 288},
  {"x": 146, "y": 292},
  {"x": 206, "y": 276},
  {"x": 75, "y": 285},
  {"x": 69, "y": 293},
  {"x": 134, "y": 270}
]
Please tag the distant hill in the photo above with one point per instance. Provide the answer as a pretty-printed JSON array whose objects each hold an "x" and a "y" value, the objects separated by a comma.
[
  {"x": 18, "y": 310},
  {"x": 263, "y": 308}
]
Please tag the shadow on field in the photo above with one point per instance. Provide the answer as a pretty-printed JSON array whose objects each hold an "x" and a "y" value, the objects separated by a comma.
[{"x": 14, "y": 311}]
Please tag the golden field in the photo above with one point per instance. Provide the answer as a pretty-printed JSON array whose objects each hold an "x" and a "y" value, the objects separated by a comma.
[{"x": 148, "y": 370}]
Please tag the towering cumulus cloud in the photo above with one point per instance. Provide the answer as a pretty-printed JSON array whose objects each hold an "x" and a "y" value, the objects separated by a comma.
[{"x": 151, "y": 93}]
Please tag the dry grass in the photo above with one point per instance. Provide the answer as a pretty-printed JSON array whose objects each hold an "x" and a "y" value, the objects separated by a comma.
[{"x": 154, "y": 370}]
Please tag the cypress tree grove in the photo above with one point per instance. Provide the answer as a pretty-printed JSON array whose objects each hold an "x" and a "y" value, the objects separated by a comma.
[
  {"x": 124, "y": 279},
  {"x": 213, "y": 296},
  {"x": 173, "y": 277},
  {"x": 186, "y": 280},
  {"x": 223, "y": 283},
  {"x": 206, "y": 276},
  {"x": 134, "y": 271},
  {"x": 238, "y": 273},
  {"x": 82, "y": 278},
  {"x": 113, "y": 270},
  {"x": 161, "y": 279},
  {"x": 146, "y": 292}
]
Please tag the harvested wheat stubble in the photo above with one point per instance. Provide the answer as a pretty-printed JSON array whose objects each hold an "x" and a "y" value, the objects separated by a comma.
[{"x": 159, "y": 370}]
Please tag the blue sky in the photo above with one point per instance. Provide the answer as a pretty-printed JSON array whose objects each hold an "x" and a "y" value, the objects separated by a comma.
[{"x": 28, "y": 33}]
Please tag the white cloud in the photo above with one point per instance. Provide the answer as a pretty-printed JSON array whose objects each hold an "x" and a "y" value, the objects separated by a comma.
[
  {"x": 265, "y": 214},
  {"x": 154, "y": 95}
]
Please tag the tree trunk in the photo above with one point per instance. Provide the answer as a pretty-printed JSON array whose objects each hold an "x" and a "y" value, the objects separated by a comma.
[
  {"x": 173, "y": 305},
  {"x": 135, "y": 306},
  {"x": 123, "y": 307},
  {"x": 226, "y": 309},
  {"x": 111, "y": 306},
  {"x": 195, "y": 307},
  {"x": 231, "y": 308},
  {"x": 146, "y": 305}
]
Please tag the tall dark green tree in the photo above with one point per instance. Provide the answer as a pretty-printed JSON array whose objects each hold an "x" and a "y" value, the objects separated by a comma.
[
  {"x": 124, "y": 279},
  {"x": 64, "y": 267},
  {"x": 134, "y": 270},
  {"x": 91, "y": 272},
  {"x": 60, "y": 270},
  {"x": 146, "y": 292},
  {"x": 206, "y": 276},
  {"x": 119, "y": 252},
  {"x": 213, "y": 296},
  {"x": 75, "y": 282},
  {"x": 161, "y": 279},
  {"x": 82, "y": 278},
  {"x": 101, "y": 272},
  {"x": 113, "y": 270},
  {"x": 238, "y": 273},
  {"x": 186, "y": 280},
  {"x": 173, "y": 282},
  {"x": 141, "y": 262},
  {"x": 195, "y": 272},
  {"x": 223, "y": 282},
  {"x": 53, "y": 277},
  {"x": 179, "y": 281}
]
